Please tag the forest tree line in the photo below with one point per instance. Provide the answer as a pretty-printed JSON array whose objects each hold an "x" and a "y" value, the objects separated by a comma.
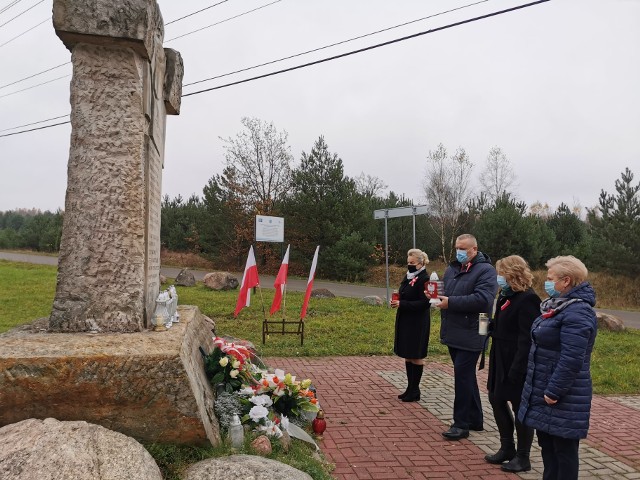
[{"x": 323, "y": 206}]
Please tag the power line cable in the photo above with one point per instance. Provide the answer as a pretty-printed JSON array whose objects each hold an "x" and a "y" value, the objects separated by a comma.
[
  {"x": 34, "y": 75},
  {"x": 33, "y": 123},
  {"x": 11, "y": 4},
  {"x": 194, "y": 13},
  {"x": 34, "y": 86},
  {"x": 44, "y": 71},
  {"x": 222, "y": 21},
  {"x": 451, "y": 25},
  {"x": 26, "y": 31},
  {"x": 21, "y": 13},
  {"x": 335, "y": 44},
  {"x": 353, "y": 52},
  {"x": 33, "y": 129}
]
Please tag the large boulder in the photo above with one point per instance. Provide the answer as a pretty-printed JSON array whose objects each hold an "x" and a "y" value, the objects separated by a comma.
[
  {"x": 373, "y": 300},
  {"x": 243, "y": 466},
  {"x": 609, "y": 322},
  {"x": 322, "y": 293},
  {"x": 49, "y": 449},
  {"x": 185, "y": 278},
  {"x": 220, "y": 281}
]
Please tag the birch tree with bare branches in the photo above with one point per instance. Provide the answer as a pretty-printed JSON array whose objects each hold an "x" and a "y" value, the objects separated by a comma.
[
  {"x": 448, "y": 192},
  {"x": 261, "y": 161},
  {"x": 498, "y": 176}
]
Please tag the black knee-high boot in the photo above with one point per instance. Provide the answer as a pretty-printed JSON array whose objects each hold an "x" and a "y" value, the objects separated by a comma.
[
  {"x": 409, "y": 367},
  {"x": 504, "y": 422},
  {"x": 414, "y": 393},
  {"x": 521, "y": 462}
]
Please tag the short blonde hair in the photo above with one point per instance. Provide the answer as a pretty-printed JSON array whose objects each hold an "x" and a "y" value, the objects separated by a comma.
[
  {"x": 516, "y": 272},
  {"x": 419, "y": 254},
  {"x": 569, "y": 266}
]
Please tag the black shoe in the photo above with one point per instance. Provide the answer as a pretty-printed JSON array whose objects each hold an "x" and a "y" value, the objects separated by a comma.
[
  {"x": 476, "y": 428},
  {"x": 412, "y": 397},
  {"x": 402, "y": 395},
  {"x": 517, "y": 464},
  {"x": 501, "y": 456},
  {"x": 455, "y": 433}
]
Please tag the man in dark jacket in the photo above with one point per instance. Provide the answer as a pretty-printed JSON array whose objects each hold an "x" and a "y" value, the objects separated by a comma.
[{"x": 470, "y": 287}]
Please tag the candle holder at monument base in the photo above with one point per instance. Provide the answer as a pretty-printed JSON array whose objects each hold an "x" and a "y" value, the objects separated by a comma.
[{"x": 319, "y": 425}]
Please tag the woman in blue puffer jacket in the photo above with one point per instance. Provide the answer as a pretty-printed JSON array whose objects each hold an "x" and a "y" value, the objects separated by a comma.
[{"x": 556, "y": 399}]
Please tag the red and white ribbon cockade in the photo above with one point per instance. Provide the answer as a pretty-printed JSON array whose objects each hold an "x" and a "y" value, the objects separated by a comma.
[{"x": 240, "y": 352}]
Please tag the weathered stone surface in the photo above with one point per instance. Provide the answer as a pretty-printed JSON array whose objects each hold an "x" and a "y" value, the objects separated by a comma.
[
  {"x": 185, "y": 278},
  {"x": 173, "y": 81},
  {"x": 322, "y": 293},
  {"x": 609, "y": 322},
  {"x": 101, "y": 266},
  {"x": 50, "y": 449},
  {"x": 109, "y": 264},
  {"x": 243, "y": 466},
  {"x": 220, "y": 281},
  {"x": 136, "y": 24},
  {"x": 374, "y": 300},
  {"x": 147, "y": 385}
]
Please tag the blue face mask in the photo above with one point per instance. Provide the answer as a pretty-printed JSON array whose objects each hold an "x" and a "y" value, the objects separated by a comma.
[
  {"x": 461, "y": 256},
  {"x": 502, "y": 283},
  {"x": 550, "y": 288}
]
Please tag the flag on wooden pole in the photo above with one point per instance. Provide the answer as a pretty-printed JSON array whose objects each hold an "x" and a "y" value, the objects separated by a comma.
[
  {"x": 312, "y": 275},
  {"x": 280, "y": 283},
  {"x": 249, "y": 280}
]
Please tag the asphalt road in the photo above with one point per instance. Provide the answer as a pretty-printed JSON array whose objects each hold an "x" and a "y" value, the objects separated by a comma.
[{"x": 630, "y": 319}]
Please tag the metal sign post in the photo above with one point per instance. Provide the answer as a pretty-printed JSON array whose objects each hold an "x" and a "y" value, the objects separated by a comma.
[{"x": 387, "y": 213}]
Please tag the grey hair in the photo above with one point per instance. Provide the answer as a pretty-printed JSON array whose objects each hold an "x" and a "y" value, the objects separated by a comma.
[
  {"x": 471, "y": 238},
  {"x": 419, "y": 254}
]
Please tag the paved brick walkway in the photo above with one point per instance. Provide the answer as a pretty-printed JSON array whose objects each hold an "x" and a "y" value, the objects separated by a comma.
[{"x": 373, "y": 435}]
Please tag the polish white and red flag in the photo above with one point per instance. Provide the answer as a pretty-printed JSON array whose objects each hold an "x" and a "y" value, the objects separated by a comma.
[
  {"x": 281, "y": 283},
  {"x": 249, "y": 280},
  {"x": 312, "y": 275}
]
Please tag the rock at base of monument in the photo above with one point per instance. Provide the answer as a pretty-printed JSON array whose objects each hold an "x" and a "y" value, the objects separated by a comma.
[
  {"x": 243, "y": 466},
  {"x": 373, "y": 300},
  {"x": 148, "y": 385},
  {"x": 609, "y": 322},
  {"x": 185, "y": 278},
  {"x": 220, "y": 281},
  {"x": 46, "y": 449},
  {"x": 322, "y": 293}
]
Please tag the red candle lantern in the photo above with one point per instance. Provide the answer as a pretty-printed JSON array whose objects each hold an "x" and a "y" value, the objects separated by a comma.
[{"x": 319, "y": 424}]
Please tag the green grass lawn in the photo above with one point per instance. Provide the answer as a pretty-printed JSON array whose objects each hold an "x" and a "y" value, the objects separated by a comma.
[{"x": 337, "y": 326}]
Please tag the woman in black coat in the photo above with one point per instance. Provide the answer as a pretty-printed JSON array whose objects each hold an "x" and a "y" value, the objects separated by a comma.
[
  {"x": 413, "y": 322},
  {"x": 516, "y": 309}
]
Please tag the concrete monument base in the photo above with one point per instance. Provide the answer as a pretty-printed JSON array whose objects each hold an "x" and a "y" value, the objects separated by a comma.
[{"x": 148, "y": 385}]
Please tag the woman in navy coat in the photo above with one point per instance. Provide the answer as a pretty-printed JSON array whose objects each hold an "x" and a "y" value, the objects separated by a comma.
[
  {"x": 516, "y": 309},
  {"x": 413, "y": 322},
  {"x": 556, "y": 399}
]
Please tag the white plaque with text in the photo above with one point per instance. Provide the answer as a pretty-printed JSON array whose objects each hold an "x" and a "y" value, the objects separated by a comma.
[{"x": 269, "y": 229}]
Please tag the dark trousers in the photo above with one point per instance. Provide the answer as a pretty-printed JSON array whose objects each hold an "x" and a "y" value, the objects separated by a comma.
[
  {"x": 560, "y": 457},
  {"x": 506, "y": 421},
  {"x": 467, "y": 409}
]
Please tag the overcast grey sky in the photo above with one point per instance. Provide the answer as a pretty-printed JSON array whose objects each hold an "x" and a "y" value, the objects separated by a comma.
[{"x": 556, "y": 86}]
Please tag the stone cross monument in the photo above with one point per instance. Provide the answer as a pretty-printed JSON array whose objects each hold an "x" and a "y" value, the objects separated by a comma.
[{"x": 124, "y": 84}]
